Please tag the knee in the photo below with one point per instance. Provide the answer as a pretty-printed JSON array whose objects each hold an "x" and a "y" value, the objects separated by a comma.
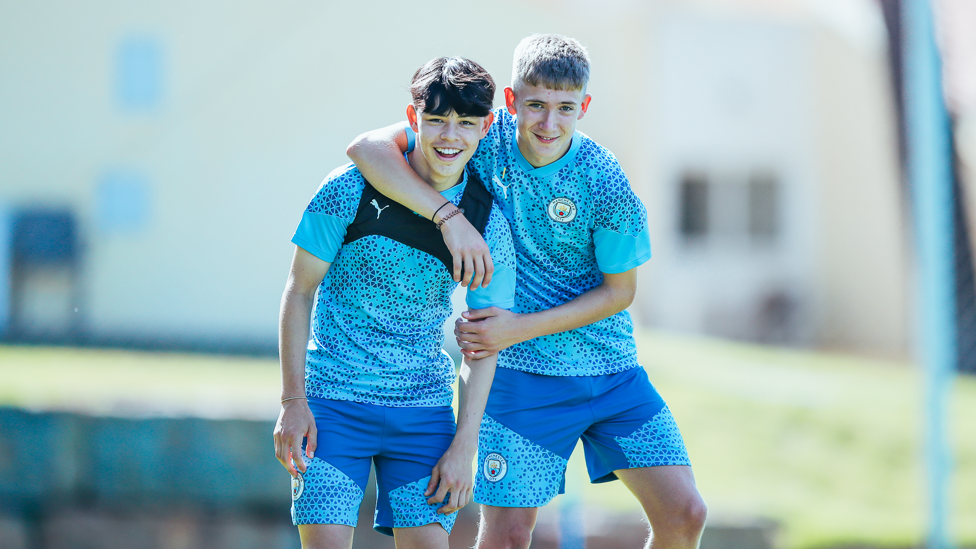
[
  {"x": 506, "y": 530},
  {"x": 691, "y": 517}
]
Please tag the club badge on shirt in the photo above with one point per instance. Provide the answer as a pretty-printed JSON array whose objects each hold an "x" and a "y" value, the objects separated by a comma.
[{"x": 562, "y": 209}]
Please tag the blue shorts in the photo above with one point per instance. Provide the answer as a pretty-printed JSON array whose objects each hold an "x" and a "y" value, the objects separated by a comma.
[
  {"x": 533, "y": 422},
  {"x": 404, "y": 444}
]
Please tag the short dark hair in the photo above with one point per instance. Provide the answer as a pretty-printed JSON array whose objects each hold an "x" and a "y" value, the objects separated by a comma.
[{"x": 454, "y": 84}]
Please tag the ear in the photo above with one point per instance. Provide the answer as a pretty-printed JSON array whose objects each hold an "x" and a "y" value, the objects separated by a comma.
[
  {"x": 412, "y": 118},
  {"x": 486, "y": 124},
  {"x": 584, "y": 105},
  {"x": 510, "y": 99}
]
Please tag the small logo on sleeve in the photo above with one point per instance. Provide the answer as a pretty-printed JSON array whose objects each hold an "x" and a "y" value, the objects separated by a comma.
[
  {"x": 297, "y": 487},
  {"x": 495, "y": 467},
  {"x": 562, "y": 210}
]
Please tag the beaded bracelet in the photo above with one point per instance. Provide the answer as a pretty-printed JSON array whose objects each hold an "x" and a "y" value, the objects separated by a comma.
[{"x": 448, "y": 216}]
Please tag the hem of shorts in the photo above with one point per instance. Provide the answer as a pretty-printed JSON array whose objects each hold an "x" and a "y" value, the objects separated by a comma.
[
  {"x": 574, "y": 373},
  {"x": 382, "y": 529},
  {"x": 481, "y": 501},
  {"x": 347, "y": 523},
  {"x": 320, "y": 396},
  {"x": 612, "y": 476}
]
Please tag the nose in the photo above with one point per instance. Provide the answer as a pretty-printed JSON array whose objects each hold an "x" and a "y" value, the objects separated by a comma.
[
  {"x": 450, "y": 131},
  {"x": 549, "y": 122}
]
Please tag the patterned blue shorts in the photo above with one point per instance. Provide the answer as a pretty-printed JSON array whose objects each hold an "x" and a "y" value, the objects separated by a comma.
[
  {"x": 403, "y": 444},
  {"x": 533, "y": 422}
]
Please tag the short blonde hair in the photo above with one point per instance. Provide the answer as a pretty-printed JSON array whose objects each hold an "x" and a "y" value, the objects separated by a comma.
[{"x": 552, "y": 61}]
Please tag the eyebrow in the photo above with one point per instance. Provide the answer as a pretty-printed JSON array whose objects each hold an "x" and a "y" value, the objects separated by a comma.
[{"x": 531, "y": 100}]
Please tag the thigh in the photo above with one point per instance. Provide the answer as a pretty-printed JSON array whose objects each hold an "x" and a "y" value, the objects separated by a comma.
[
  {"x": 325, "y": 536},
  {"x": 430, "y": 536},
  {"x": 414, "y": 439},
  {"x": 667, "y": 493},
  {"x": 331, "y": 489},
  {"x": 530, "y": 427},
  {"x": 633, "y": 427}
]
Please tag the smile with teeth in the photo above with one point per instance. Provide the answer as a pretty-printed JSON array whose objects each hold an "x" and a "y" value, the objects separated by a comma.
[
  {"x": 546, "y": 139},
  {"x": 447, "y": 152}
]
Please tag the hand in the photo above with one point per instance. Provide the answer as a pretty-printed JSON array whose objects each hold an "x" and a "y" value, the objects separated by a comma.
[
  {"x": 295, "y": 422},
  {"x": 452, "y": 475},
  {"x": 469, "y": 251},
  {"x": 484, "y": 332}
]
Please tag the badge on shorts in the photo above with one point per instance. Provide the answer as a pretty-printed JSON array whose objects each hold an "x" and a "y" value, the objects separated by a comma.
[
  {"x": 495, "y": 467},
  {"x": 297, "y": 487},
  {"x": 562, "y": 209}
]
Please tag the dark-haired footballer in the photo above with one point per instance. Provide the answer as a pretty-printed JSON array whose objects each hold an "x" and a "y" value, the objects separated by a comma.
[{"x": 372, "y": 383}]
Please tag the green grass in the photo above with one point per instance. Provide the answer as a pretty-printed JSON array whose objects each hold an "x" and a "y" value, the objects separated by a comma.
[{"x": 827, "y": 446}]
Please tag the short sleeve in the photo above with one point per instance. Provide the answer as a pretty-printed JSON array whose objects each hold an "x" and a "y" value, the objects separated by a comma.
[
  {"x": 620, "y": 232},
  {"x": 320, "y": 235},
  {"x": 324, "y": 221},
  {"x": 501, "y": 291}
]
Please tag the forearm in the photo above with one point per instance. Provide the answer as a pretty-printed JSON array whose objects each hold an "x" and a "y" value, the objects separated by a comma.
[
  {"x": 592, "y": 306},
  {"x": 293, "y": 328},
  {"x": 380, "y": 159},
  {"x": 473, "y": 388}
]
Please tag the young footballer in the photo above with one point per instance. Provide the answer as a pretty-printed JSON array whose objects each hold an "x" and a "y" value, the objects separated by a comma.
[
  {"x": 371, "y": 384},
  {"x": 568, "y": 366}
]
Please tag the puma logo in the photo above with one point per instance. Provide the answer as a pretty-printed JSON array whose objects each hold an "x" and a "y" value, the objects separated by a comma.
[
  {"x": 500, "y": 184},
  {"x": 378, "y": 209}
]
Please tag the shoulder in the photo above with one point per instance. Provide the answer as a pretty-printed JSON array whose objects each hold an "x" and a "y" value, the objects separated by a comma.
[
  {"x": 343, "y": 185},
  {"x": 596, "y": 158}
]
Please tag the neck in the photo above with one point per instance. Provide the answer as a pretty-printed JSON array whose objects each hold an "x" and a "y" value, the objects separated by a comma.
[{"x": 439, "y": 182}]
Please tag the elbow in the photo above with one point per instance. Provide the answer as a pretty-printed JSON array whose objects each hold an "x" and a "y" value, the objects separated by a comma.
[
  {"x": 354, "y": 148},
  {"x": 626, "y": 298}
]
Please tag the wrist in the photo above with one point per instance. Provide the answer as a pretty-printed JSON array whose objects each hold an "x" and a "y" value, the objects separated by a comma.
[{"x": 448, "y": 215}]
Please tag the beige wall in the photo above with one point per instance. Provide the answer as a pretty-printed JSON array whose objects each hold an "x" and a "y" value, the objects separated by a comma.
[{"x": 260, "y": 100}]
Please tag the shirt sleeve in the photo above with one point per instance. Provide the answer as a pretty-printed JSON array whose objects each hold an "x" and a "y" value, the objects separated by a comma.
[
  {"x": 620, "y": 232},
  {"x": 320, "y": 235},
  {"x": 501, "y": 291},
  {"x": 324, "y": 221}
]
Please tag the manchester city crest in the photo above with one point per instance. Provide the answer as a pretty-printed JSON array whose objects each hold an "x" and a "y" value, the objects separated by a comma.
[
  {"x": 297, "y": 487},
  {"x": 562, "y": 209},
  {"x": 494, "y": 467}
]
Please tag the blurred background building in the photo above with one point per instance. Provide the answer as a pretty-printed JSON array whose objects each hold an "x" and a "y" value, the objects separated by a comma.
[{"x": 155, "y": 158}]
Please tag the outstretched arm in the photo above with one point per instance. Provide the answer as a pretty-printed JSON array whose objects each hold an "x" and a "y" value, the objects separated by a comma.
[
  {"x": 453, "y": 471},
  {"x": 379, "y": 156},
  {"x": 295, "y": 420},
  {"x": 497, "y": 329}
]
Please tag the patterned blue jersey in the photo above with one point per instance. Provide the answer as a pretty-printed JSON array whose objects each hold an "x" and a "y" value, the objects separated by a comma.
[
  {"x": 378, "y": 318},
  {"x": 572, "y": 221}
]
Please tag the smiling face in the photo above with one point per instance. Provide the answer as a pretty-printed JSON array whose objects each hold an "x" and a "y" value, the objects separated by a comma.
[
  {"x": 445, "y": 143},
  {"x": 546, "y": 120}
]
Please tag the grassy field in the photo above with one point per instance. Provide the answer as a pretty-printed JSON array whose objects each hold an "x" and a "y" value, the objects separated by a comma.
[{"x": 827, "y": 446}]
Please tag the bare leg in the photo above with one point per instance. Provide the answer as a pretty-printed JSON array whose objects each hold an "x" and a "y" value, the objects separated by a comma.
[
  {"x": 671, "y": 501},
  {"x": 326, "y": 536},
  {"x": 429, "y": 536},
  {"x": 506, "y": 527}
]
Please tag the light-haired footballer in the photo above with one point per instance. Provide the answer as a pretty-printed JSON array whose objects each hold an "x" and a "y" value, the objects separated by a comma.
[
  {"x": 567, "y": 363},
  {"x": 372, "y": 384}
]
